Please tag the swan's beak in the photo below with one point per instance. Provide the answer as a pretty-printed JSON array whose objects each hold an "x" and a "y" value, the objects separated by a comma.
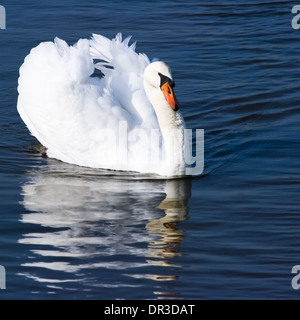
[{"x": 169, "y": 94}]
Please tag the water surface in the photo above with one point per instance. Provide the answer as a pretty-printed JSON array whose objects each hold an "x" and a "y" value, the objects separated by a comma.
[{"x": 74, "y": 233}]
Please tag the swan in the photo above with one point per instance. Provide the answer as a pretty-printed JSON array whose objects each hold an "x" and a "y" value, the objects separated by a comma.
[{"x": 125, "y": 118}]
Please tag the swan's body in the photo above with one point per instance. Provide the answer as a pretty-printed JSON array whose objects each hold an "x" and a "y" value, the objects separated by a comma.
[{"x": 127, "y": 120}]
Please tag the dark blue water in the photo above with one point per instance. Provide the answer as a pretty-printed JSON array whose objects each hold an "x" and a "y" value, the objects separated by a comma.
[{"x": 233, "y": 232}]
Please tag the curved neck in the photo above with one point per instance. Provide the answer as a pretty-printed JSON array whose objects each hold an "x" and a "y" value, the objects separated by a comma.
[{"x": 172, "y": 128}]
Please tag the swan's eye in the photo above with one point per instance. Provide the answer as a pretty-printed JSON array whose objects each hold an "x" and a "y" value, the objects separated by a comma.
[{"x": 164, "y": 79}]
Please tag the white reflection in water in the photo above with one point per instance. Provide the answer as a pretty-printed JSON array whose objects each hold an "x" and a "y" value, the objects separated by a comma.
[{"x": 90, "y": 214}]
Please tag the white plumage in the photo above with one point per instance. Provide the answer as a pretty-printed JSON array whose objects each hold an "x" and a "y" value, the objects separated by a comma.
[{"x": 109, "y": 122}]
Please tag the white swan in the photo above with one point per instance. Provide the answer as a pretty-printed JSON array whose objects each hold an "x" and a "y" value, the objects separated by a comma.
[{"x": 127, "y": 120}]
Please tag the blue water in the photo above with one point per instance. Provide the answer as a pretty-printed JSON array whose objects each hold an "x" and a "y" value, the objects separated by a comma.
[{"x": 232, "y": 233}]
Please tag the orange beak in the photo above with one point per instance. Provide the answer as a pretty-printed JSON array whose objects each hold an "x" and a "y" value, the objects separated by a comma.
[{"x": 170, "y": 96}]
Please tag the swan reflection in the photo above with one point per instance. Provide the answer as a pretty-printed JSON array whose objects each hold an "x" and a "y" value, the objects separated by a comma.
[{"x": 89, "y": 220}]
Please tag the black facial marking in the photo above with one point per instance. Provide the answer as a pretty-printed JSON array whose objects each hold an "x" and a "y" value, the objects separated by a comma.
[{"x": 164, "y": 79}]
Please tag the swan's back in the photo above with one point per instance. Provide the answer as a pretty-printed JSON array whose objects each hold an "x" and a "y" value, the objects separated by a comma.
[{"x": 77, "y": 116}]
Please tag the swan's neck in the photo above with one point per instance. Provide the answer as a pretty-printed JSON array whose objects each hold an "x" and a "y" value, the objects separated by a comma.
[{"x": 172, "y": 128}]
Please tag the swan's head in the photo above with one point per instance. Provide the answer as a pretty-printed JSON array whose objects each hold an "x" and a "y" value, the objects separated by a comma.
[{"x": 158, "y": 76}]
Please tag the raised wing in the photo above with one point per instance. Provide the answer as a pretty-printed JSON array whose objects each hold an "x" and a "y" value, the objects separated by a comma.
[{"x": 68, "y": 110}]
